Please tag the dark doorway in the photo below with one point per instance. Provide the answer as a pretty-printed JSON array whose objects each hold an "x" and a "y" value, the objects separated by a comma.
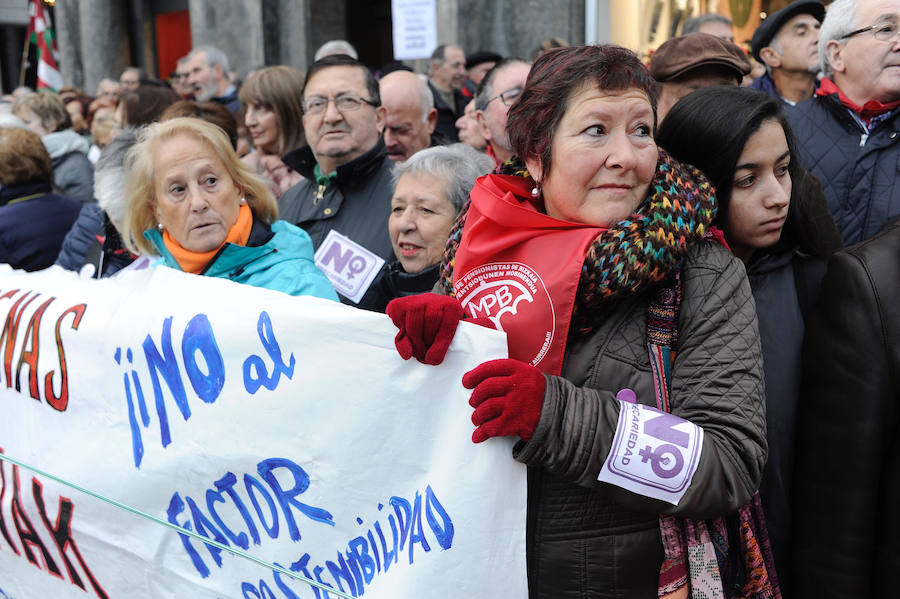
[{"x": 369, "y": 30}]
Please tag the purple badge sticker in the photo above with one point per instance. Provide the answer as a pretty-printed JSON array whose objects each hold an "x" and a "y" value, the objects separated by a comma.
[{"x": 653, "y": 453}]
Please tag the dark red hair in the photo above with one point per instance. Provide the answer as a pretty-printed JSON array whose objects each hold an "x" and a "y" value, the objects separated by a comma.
[{"x": 533, "y": 119}]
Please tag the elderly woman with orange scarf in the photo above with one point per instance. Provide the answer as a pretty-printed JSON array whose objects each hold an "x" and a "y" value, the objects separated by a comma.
[
  {"x": 193, "y": 203},
  {"x": 634, "y": 385}
]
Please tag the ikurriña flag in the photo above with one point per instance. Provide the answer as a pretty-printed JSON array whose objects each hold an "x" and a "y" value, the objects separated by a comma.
[{"x": 40, "y": 33}]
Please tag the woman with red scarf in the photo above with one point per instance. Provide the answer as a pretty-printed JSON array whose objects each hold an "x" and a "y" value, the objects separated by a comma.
[{"x": 592, "y": 251}]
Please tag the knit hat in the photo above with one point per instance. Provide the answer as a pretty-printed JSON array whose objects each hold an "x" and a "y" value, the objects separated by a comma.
[
  {"x": 769, "y": 28},
  {"x": 680, "y": 55}
]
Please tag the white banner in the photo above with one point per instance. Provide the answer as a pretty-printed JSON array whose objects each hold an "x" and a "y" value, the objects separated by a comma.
[
  {"x": 414, "y": 28},
  {"x": 285, "y": 427}
]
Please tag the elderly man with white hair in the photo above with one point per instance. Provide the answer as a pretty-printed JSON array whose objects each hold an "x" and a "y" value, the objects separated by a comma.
[
  {"x": 410, "y": 115},
  {"x": 847, "y": 133},
  {"x": 208, "y": 70}
]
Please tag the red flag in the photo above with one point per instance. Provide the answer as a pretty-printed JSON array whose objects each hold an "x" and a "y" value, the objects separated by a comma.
[{"x": 40, "y": 32}]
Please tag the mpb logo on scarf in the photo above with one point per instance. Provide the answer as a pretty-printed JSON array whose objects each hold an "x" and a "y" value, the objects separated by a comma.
[
  {"x": 520, "y": 268},
  {"x": 511, "y": 288}
]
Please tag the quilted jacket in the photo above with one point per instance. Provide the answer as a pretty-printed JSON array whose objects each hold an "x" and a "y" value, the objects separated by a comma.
[
  {"x": 592, "y": 539},
  {"x": 846, "y": 529},
  {"x": 858, "y": 169}
]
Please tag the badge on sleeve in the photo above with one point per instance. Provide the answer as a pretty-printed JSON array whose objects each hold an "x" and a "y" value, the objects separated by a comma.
[
  {"x": 653, "y": 453},
  {"x": 350, "y": 267}
]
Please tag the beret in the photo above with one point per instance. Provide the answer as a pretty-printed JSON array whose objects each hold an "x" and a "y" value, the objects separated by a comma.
[
  {"x": 481, "y": 57},
  {"x": 680, "y": 55},
  {"x": 769, "y": 28}
]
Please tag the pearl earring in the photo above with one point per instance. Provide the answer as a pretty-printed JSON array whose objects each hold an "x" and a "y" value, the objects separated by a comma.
[
  {"x": 243, "y": 201},
  {"x": 536, "y": 190},
  {"x": 159, "y": 226}
]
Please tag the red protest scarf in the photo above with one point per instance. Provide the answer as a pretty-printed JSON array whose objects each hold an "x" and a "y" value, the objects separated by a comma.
[
  {"x": 866, "y": 112},
  {"x": 520, "y": 268}
]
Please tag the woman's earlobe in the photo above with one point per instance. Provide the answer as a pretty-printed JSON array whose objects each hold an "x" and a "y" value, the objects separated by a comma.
[{"x": 534, "y": 169}]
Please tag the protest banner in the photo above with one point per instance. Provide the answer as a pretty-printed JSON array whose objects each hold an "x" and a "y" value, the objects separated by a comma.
[{"x": 286, "y": 428}]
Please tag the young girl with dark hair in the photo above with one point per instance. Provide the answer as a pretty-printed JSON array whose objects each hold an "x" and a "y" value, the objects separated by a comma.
[{"x": 775, "y": 219}]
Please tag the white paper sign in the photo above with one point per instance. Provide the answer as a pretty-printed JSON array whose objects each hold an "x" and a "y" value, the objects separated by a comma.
[
  {"x": 653, "y": 453},
  {"x": 350, "y": 267},
  {"x": 285, "y": 427},
  {"x": 414, "y": 28}
]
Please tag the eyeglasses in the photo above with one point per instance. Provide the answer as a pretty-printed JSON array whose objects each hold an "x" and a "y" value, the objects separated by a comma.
[
  {"x": 507, "y": 97},
  {"x": 343, "y": 102},
  {"x": 883, "y": 32}
]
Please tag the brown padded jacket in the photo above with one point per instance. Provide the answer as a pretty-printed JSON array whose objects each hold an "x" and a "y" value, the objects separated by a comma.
[{"x": 591, "y": 539}]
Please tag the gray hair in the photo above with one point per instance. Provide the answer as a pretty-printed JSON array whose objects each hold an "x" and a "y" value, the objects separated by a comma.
[
  {"x": 336, "y": 47},
  {"x": 214, "y": 57},
  {"x": 693, "y": 24},
  {"x": 840, "y": 19},
  {"x": 141, "y": 73},
  {"x": 426, "y": 100},
  {"x": 457, "y": 164},
  {"x": 486, "y": 88},
  {"x": 109, "y": 176}
]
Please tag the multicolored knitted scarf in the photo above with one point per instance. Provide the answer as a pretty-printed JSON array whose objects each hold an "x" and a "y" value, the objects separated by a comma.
[
  {"x": 729, "y": 557},
  {"x": 636, "y": 253}
]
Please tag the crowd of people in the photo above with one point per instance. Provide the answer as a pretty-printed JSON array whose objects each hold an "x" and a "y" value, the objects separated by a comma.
[{"x": 706, "y": 240}]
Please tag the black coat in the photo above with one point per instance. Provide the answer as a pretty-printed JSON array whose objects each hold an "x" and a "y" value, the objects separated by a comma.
[
  {"x": 846, "y": 529},
  {"x": 33, "y": 223},
  {"x": 447, "y": 115},
  {"x": 356, "y": 204},
  {"x": 393, "y": 282}
]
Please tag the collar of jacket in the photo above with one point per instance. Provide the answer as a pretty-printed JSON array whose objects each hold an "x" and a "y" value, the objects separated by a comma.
[
  {"x": 60, "y": 143},
  {"x": 10, "y": 193},
  {"x": 303, "y": 161},
  {"x": 260, "y": 234},
  {"x": 835, "y": 103}
]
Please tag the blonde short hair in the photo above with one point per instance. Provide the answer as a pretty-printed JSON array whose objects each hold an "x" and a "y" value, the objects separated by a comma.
[
  {"x": 48, "y": 107},
  {"x": 140, "y": 189}
]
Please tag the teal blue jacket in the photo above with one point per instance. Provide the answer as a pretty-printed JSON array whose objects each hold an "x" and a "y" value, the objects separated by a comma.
[{"x": 277, "y": 256}]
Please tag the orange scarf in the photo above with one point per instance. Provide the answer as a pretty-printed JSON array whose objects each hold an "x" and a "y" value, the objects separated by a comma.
[{"x": 195, "y": 262}]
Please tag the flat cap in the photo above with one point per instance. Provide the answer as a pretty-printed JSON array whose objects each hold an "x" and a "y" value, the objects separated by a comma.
[
  {"x": 769, "y": 28},
  {"x": 681, "y": 55},
  {"x": 481, "y": 57}
]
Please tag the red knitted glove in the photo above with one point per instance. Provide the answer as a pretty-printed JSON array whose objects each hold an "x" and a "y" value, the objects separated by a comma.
[
  {"x": 507, "y": 397},
  {"x": 427, "y": 323}
]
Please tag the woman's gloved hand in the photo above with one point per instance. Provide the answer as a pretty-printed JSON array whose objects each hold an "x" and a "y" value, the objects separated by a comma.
[
  {"x": 427, "y": 323},
  {"x": 507, "y": 397}
]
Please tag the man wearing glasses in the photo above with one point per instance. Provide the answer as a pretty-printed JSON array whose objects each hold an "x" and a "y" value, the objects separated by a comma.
[
  {"x": 499, "y": 89},
  {"x": 848, "y": 132},
  {"x": 347, "y": 185}
]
